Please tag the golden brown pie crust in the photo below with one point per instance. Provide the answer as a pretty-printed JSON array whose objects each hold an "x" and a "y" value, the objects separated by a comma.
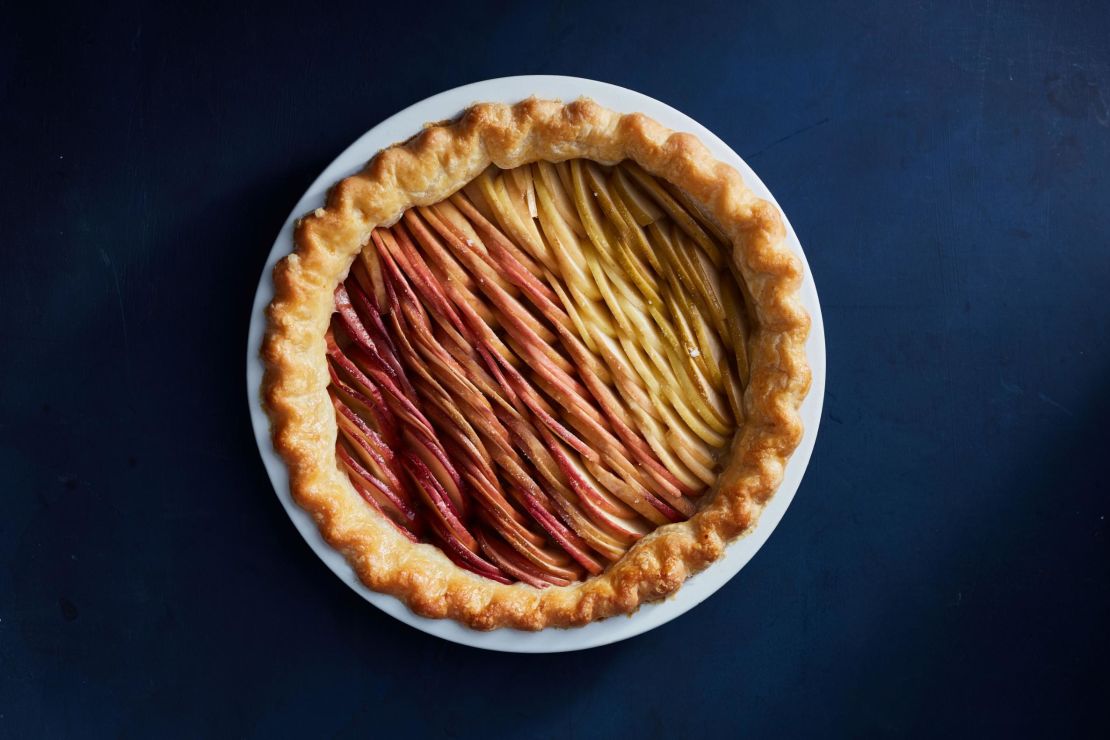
[{"x": 425, "y": 170}]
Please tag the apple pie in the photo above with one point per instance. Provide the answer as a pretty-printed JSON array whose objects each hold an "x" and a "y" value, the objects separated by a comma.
[{"x": 537, "y": 365}]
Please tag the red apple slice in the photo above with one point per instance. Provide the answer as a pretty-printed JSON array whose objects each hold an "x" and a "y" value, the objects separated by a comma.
[
  {"x": 379, "y": 494},
  {"x": 516, "y": 565}
]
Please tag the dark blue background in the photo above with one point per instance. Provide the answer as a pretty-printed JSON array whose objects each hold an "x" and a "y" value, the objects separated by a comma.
[{"x": 944, "y": 567}]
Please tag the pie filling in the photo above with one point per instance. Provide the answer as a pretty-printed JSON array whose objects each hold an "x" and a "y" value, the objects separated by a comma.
[{"x": 540, "y": 370}]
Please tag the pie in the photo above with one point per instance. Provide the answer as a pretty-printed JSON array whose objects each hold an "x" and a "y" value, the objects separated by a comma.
[{"x": 537, "y": 365}]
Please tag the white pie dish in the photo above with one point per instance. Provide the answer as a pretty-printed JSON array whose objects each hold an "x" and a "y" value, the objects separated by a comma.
[{"x": 401, "y": 126}]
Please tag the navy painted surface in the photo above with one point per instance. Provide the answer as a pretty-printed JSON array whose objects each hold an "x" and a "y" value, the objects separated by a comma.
[{"x": 944, "y": 567}]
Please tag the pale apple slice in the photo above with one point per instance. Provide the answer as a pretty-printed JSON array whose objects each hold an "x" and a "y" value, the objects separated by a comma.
[
  {"x": 583, "y": 332},
  {"x": 548, "y": 180},
  {"x": 616, "y": 309},
  {"x": 697, "y": 212},
  {"x": 562, "y": 169},
  {"x": 675, "y": 210},
  {"x": 703, "y": 397},
  {"x": 676, "y": 252},
  {"x": 521, "y": 177},
  {"x": 708, "y": 273},
  {"x": 642, "y": 208},
  {"x": 733, "y": 390},
  {"x": 614, "y": 246},
  {"x": 709, "y": 345},
  {"x": 517, "y": 184},
  {"x": 523, "y": 231},
  {"x": 473, "y": 193},
  {"x": 621, "y": 218},
  {"x": 737, "y": 329},
  {"x": 682, "y": 440}
]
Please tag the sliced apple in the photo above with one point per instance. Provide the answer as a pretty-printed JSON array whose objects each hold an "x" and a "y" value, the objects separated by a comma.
[
  {"x": 540, "y": 369},
  {"x": 675, "y": 210}
]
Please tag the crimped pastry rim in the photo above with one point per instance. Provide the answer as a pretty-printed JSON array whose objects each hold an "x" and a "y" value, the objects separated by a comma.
[{"x": 426, "y": 169}]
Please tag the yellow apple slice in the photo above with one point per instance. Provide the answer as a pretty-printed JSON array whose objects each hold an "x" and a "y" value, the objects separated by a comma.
[
  {"x": 675, "y": 210},
  {"x": 642, "y": 208},
  {"x": 551, "y": 182}
]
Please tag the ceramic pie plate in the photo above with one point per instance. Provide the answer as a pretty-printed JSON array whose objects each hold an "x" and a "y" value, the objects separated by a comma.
[{"x": 401, "y": 126}]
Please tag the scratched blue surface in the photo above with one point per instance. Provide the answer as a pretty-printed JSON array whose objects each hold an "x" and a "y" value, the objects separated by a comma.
[{"x": 944, "y": 567}]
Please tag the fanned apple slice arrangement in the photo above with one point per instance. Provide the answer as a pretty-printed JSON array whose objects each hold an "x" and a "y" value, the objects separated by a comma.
[{"x": 540, "y": 370}]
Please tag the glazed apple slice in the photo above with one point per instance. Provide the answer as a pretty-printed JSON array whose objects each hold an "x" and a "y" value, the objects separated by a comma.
[
  {"x": 543, "y": 557},
  {"x": 737, "y": 329},
  {"x": 380, "y": 495},
  {"x": 622, "y": 220},
  {"x": 569, "y": 540},
  {"x": 643, "y": 210},
  {"x": 612, "y": 246},
  {"x": 550, "y": 458},
  {"x": 674, "y": 210},
  {"x": 373, "y": 270},
  {"x": 696, "y": 211},
  {"x": 368, "y": 443},
  {"x": 466, "y": 559},
  {"x": 364, "y": 361},
  {"x": 565, "y": 241},
  {"x": 384, "y": 348},
  {"x": 439, "y": 505},
  {"x": 462, "y": 219},
  {"x": 548, "y": 181},
  {"x": 599, "y": 540},
  {"x": 521, "y": 228},
  {"x": 516, "y": 565}
]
